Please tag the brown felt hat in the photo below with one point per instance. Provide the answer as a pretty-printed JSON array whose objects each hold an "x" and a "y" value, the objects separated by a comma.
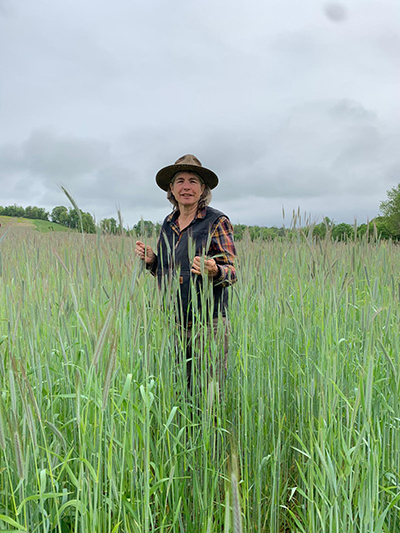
[{"x": 186, "y": 162}]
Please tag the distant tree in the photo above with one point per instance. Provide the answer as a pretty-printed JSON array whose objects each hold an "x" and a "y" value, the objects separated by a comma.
[
  {"x": 59, "y": 215},
  {"x": 268, "y": 234},
  {"x": 19, "y": 211},
  {"x": 144, "y": 228},
  {"x": 384, "y": 228},
  {"x": 109, "y": 225},
  {"x": 390, "y": 209},
  {"x": 238, "y": 231},
  {"x": 73, "y": 219},
  {"x": 255, "y": 232},
  {"x": 42, "y": 214},
  {"x": 14, "y": 211},
  {"x": 377, "y": 228},
  {"x": 329, "y": 223},
  {"x": 362, "y": 230},
  {"x": 88, "y": 223},
  {"x": 342, "y": 232},
  {"x": 380, "y": 228},
  {"x": 30, "y": 212},
  {"x": 319, "y": 230}
]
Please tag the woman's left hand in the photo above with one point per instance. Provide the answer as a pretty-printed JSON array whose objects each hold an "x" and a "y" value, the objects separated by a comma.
[{"x": 210, "y": 267}]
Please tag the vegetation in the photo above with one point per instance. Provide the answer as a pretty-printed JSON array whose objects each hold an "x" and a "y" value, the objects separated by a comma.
[
  {"x": 30, "y": 212},
  {"x": 40, "y": 225},
  {"x": 68, "y": 218},
  {"x": 98, "y": 432},
  {"x": 391, "y": 210},
  {"x": 46, "y": 227},
  {"x": 71, "y": 219}
]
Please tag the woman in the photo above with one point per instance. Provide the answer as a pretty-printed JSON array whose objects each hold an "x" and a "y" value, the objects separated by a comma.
[{"x": 193, "y": 224}]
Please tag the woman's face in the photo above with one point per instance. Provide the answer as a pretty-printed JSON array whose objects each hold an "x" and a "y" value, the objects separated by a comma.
[{"x": 187, "y": 189}]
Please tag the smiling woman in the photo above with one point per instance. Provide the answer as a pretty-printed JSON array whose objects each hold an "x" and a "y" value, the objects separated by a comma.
[
  {"x": 205, "y": 197},
  {"x": 187, "y": 188},
  {"x": 193, "y": 223}
]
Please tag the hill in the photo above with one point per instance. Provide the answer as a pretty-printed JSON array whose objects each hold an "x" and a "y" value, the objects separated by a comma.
[{"x": 40, "y": 225}]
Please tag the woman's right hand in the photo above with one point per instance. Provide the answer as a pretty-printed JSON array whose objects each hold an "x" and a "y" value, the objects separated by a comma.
[{"x": 145, "y": 253}]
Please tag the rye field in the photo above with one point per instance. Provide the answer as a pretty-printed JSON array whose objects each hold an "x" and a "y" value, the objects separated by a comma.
[{"x": 98, "y": 432}]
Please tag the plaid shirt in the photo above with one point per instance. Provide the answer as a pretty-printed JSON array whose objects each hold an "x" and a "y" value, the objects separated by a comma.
[{"x": 222, "y": 248}]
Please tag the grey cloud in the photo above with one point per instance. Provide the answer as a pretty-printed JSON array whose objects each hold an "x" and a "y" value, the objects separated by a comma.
[
  {"x": 124, "y": 186},
  {"x": 389, "y": 43},
  {"x": 11, "y": 157},
  {"x": 319, "y": 148},
  {"x": 58, "y": 157},
  {"x": 275, "y": 98},
  {"x": 315, "y": 150},
  {"x": 4, "y": 8},
  {"x": 350, "y": 110},
  {"x": 48, "y": 155}
]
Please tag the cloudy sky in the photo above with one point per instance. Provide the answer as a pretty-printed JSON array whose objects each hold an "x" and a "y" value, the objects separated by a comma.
[{"x": 292, "y": 104}]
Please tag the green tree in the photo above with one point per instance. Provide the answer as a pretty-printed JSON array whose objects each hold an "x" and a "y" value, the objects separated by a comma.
[
  {"x": 30, "y": 212},
  {"x": 14, "y": 211},
  {"x": 41, "y": 213},
  {"x": 59, "y": 215},
  {"x": 238, "y": 231},
  {"x": 73, "y": 219},
  {"x": 390, "y": 209},
  {"x": 254, "y": 232},
  {"x": 88, "y": 223},
  {"x": 268, "y": 234},
  {"x": 383, "y": 228},
  {"x": 144, "y": 228},
  {"x": 109, "y": 225},
  {"x": 377, "y": 228},
  {"x": 319, "y": 230},
  {"x": 342, "y": 232},
  {"x": 362, "y": 230}
]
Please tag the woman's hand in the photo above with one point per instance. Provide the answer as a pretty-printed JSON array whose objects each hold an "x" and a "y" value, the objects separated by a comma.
[
  {"x": 145, "y": 253},
  {"x": 210, "y": 267}
]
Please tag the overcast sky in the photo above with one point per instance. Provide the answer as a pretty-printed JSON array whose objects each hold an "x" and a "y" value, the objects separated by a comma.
[{"x": 292, "y": 104}]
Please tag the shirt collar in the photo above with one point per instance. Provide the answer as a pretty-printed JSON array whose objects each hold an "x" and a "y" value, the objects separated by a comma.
[{"x": 201, "y": 213}]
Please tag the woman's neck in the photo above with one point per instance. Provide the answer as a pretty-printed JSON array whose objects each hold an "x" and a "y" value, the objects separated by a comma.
[
  {"x": 186, "y": 214},
  {"x": 187, "y": 211}
]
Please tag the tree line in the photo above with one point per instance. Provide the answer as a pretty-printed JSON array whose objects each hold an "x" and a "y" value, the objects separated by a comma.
[
  {"x": 60, "y": 215},
  {"x": 376, "y": 229},
  {"x": 386, "y": 226}
]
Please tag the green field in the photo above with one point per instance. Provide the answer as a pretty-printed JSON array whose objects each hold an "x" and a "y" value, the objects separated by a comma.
[{"x": 99, "y": 434}]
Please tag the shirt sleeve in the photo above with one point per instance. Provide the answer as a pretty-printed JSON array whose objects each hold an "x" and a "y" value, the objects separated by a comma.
[{"x": 222, "y": 250}]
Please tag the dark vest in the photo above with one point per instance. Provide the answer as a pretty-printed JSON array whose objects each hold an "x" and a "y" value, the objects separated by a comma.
[{"x": 173, "y": 257}]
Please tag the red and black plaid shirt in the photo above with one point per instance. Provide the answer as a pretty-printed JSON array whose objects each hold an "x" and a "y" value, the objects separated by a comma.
[{"x": 222, "y": 247}]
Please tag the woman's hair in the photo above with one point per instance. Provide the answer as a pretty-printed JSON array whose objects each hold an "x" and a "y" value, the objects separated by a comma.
[{"x": 204, "y": 200}]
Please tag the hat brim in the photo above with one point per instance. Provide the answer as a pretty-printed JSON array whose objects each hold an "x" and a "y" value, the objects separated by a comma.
[{"x": 165, "y": 175}]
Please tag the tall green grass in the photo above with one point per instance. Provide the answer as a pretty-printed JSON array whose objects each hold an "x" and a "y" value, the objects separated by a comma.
[{"x": 98, "y": 432}]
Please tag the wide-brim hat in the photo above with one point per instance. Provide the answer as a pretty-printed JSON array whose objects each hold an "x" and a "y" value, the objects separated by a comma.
[{"x": 187, "y": 162}]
